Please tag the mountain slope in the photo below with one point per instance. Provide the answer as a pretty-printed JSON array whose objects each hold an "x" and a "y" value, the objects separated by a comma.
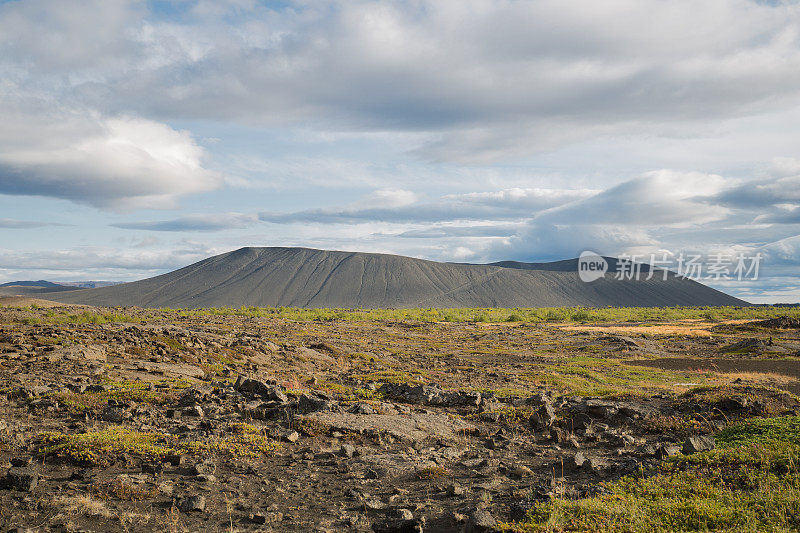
[{"x": 302, "y": 277}]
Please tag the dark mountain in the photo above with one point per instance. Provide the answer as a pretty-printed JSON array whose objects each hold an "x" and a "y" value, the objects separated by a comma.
[
  {"x": 40, "y": 283},
  {"x": 305, "y": 277}
]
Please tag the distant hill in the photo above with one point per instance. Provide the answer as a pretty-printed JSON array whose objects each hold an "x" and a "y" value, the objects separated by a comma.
[
  {"x": 303, "y": 277},
  {"x": 564, "y": 265},
  {"x": 40, "y": 283},
  {"x": 35, "y": 288},
  {"x": 89, "y": 284}
]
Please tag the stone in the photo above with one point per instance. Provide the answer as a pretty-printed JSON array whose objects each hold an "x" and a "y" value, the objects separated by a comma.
[
  {"x": 411, "y": 428},
  {"x": 544, "y": 417},
  {"x": 481, "y": 521},
  {"x": 579, "y": 422},
  {"x": 308, "y": 403},
  {"x": 176, "y": 459},
  {"x": 362, "y": 408},
  {"x": 113, "y": 414},
  {"x": 152, "y": 468},
  {"x": 398, "y": 521},
  {"x": 667, "y": 450},
  {"x": 574, "y": 462},
  {"x": 401, "y": 514},
  {"x": 519, "y": 471},
  {"x": 733, "y": 403},
  {"x": 698, "y": 443},
  {"x": 454, "y": 489},
  {"x": 23, "y": 479},
  {"x": 347, "y": 450},
  {"x": 259, "y": 388},
  {"x": 559, "y": 435},
  {"x": 194, "y": 410},
  {"x": 206, "y": 467},
  {"x": 190, "y": 504}
]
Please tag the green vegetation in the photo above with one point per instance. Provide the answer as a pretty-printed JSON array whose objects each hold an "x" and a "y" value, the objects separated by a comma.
[
  {"x": 761, "y": 431},
  {"x": 103, "y": 447},
  {"x": 432, "y": 472},
  {"x": 598, "y": 376},
  {"x": 118, "y": 391},
  {"x": 310, "y": 426},
  {"x": 391, "y": 376},
  {"x": 84, "y": 317},
  {"x": 750, "y": 483},
  {"x": 530, "y": 315},
  {"x": 349, "y": 394},
  {"x": 772, "y": 400},
  {"x": 125, "y": 490}
]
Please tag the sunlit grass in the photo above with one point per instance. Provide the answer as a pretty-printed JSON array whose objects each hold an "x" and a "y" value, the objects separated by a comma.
[
  {"x": 494, "y": 315},
  {"x": 750, "y": 483}
]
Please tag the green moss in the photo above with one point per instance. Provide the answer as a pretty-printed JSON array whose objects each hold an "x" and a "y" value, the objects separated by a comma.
[
  {"x": 349, "y": 394},
  {"x": 103, "y": 447},
  {"x": 245, "y": 440},
  {"x": 121, "y": 391},
  {"x": 171, "y": 342},
  {"x": 752, "y": 483},
  {"x": 530, "y": 315},
  {"x": 390, "y": 376},
  {"x": 311, "y": 426},
  {"x": 761, "y": 431},
  {"x": 597, "y": 376},
  {"x": 432, "y": 472}
]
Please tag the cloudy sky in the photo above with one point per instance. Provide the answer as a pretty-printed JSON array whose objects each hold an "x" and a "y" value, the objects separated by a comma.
[{"x": 140, "y": 136}]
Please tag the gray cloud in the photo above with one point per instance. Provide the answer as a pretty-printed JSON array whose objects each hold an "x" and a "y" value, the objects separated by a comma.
[
  {"x": 445, "y": 232},
  {"x": 7, "y": 223},
  {"x": 510, "y": 204},
  {"x": 763, "y": 193},
  {"x": 490, "y": 79},
  {"x": 93, "y": 258},
  {"x": 206, "y": 223}
]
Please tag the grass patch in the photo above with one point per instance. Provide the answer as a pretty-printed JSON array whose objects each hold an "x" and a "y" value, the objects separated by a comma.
[
  {"x": 751, "y": 483},
  {"x": 761, "y": 431},
  {"x": 597, "y": 376},
  {"x": 432, "y": 472},
  {"x": 310, "y": 426},
  {"x": 84, "y": 317},
  {"x": 349, "y": 394},
  {"x": 125, "y": 490},
  {"x": 103, "y": 447},
  {"x": 390, "y": 376},
  {"x": 530, "y": 315},
  {"x": 122, "y": 391}
]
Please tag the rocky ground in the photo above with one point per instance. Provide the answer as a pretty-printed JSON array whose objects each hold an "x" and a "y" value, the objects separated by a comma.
[{"x": 139, "y": 420}]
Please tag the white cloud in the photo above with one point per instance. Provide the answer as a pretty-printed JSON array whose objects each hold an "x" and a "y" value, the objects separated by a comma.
[
  {"x": 657, "y": 198},
  {"x": 109, "y": 162},
  {"x": 201, "y": 222},
  {"x": 391, "y": 198},
  {"x": 401, "y": 206}
]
